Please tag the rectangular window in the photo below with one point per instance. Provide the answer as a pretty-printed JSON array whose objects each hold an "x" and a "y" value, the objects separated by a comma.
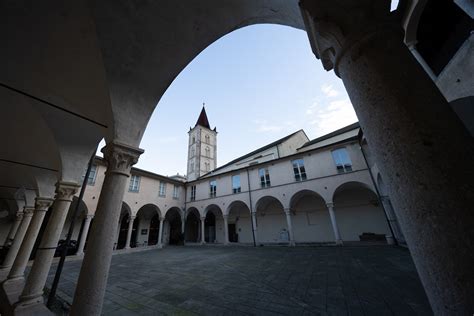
[
  {"x": 162, "y": 191},
  {"x": 298, "y": 169},
  {"x": 175, "y": 191},
  {"x": 212, "y": 188},
  {"x": 236, "y": 184},
  {"x": 264, "y": 177},
  {"x": 134, "y": 183},
  {"x": 342, "y": 160},
  {"x": 193, "y": 193},
  {"x": 92, "y": 175}
]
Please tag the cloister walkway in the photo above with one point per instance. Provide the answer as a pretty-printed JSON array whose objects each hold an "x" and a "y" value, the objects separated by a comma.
[{"x": 356, "y": 280}]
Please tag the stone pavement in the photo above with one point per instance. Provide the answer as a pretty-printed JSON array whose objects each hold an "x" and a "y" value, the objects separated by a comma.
[{"x": 355, "y": 280}]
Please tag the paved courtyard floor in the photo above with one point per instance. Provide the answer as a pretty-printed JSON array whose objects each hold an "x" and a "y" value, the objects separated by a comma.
[{"x": 210, "y": 280}]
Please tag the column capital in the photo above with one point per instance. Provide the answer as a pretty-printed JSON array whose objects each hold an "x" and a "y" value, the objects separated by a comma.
[
  {"x": 332, "y": 31},
  {"x": 203, "y": 218},
  {"x": 330, "y": 204},
  {"x": 28, "y": 211},
  {"x": 120, "y": 157},
  {"x": 89, "y": 217},
  {"x": 132, "y": 217},
  {"x": 287, "y": 210},
  {"x": 162, "y": 218},
  {"x": 65, "y": 190},
  {"x": 19, "y": 215},
  {"x": 225, "y": 216},
  {"x": 384, "y": 198},
  {"x": 43, "y": 204}
]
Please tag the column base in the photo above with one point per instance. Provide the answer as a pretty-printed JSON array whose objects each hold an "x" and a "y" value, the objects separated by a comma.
[
  {"x": 79, "y": 253},
  {"x": 160, "y": 246},
  {"x": 292, "y": 244},
  {"x": 339, "y": 242},
  {"x": 10, "y": 291},
  {"x": 37, "y": 309}
]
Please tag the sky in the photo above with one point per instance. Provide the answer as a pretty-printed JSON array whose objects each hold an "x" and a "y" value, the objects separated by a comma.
[{"x": 259, "y": 83}]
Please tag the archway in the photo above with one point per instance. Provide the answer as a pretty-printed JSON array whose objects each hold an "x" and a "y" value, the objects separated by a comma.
[
  {"x": 123, "y": 226},
  {"x": 213, "y": 224},
  {"x": 192, "y": 226},
  {"x": 239, "y": 223},
  {"x": 173, "y": 226},
  {"x": 310, "y": 218},
  {"x": 146, "y": 226},
  {"x": 358, "y": 213},
  {"x": 271, "y": 221}
]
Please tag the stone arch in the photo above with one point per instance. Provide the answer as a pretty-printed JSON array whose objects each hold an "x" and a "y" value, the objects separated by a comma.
[
  {"x": 172, "y": 226},
  {"x": 352, "y": 183},
  {"x": 359, "y": 215},
  {"x": 78, "y": 221},
  {"x": 239, "y": 222},
  {"x": 213, "y": 224},
  {"x": 146, "y": 225},
  {"x": 310, "y": 218},
  {"x": 271, "y": 221},
  {"x": 124, "y": 219},
  {"x": 192, "y": 229}
]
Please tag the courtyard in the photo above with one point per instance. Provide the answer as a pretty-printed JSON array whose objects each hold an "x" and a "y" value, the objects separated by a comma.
[{"x": 218, "y": 280}]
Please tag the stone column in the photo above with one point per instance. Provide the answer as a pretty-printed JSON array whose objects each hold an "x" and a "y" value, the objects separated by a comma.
[
  {"x": 335, "y": 228},
  {"x": 129, "y": 232},
  {"x": 290, "y": 227},
  {"x": 423, "y": 150},
  {"x": 226, "y": 230},
  {"x": 254, "y": 227},
  {"x": 33, "y": 291},
  {"x": 92, "y": 281},
  {"x": 85, "y": 230},
  {"x": 19, "y": 236},
  {"x": 203, "y": 228},
  {"x": 392, "y": 219},
  {"x": 19, "y": 265},
  {"x": 160, "y": 233},
  {"x": 14, "y": 228}
]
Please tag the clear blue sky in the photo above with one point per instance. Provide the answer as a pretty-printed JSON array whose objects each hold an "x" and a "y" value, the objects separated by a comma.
[{"x": 259, "y": 84}]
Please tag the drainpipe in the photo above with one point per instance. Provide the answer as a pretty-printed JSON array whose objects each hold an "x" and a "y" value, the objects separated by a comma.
[
  {"x": 378, "y": 196},
  {"x": 251, "y": 208}
]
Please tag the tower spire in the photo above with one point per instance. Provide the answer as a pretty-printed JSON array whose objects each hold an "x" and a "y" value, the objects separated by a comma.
[{"x": 202, "y": 120}]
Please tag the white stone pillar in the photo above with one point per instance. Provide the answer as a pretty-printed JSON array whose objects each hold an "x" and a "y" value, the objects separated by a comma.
[
  {"x": 85, "y": 230},
  {"x": 335, "y": 228},
  {"x": 203, "y": 228},
  {"x": 19, "y": 236},
  {"x": 423, "y": 150},
  {"x": 33, "y": 291},
  {"x": 14, "y": 228},
  {"x": 290, "y": 227},
  {"x": 226, "y": 230},
  {"x": 19, "y": 265},
  {"x": 129, "y": 232},
  {"x": 160, "y": 233},
  {"x": 254, "y": 227},
  {"x": 90, "y": 289}
]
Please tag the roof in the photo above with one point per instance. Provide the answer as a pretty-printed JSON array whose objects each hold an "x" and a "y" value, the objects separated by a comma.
[
  {"x": 144, "y": 172},
  {"x": 275, "y": 143},
  {"x": 202, "y": 120},
  {"x": 332, "y": 134}
]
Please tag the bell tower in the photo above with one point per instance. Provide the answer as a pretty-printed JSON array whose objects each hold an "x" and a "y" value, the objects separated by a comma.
[{"x": 202, "y": 148}]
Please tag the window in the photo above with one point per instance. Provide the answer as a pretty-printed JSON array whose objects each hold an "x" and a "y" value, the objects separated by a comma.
[
  {"x": 207, "y": 139},
  {"x": 342, "y": 160},
  {"x": 212, "y": 188},
  {"x": 298, "y": 169},
  {"x": 193, "y": 140},
  {"x": 191, "y": 168},
  {"x": 92, "y": 175},
  {"x": 236, "y": 184},
  {"x": 193, "y": 193},
  {"x": 207, "y": 166},
  {"x": 264, "y": 177},
  {"x": 175, "y": 191},
  {"x": 134, "y": 183},
  {"x": 162, "y": 191},
  {"x": 193, "y": 152},
  {"x": 208, "y": 152}
]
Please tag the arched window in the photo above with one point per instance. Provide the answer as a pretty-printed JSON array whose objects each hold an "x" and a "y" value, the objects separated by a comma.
[
  {"x": 207, "y": 166},
  {"x": 193, "y": 152},
  {"x": 191, "y": 168},
  {"x": 193, "y": 140},
  {"x": 207, "y": 138},
  {"x": 208, "y": 152}
]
